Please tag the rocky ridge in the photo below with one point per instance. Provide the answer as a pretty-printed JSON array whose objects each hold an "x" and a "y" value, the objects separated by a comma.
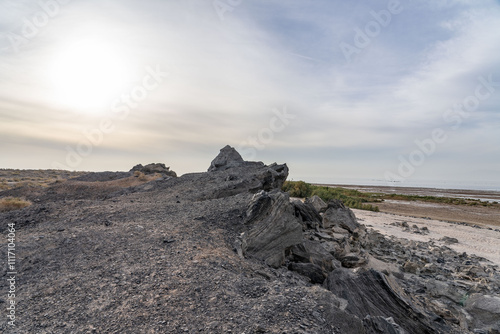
[{"x": 227, "y": 251}]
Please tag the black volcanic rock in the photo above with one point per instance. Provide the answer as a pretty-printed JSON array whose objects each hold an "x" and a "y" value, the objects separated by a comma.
[{"x": 337, "y": 214}]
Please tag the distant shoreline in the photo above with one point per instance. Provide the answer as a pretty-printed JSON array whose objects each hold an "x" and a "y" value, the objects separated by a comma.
[
  {"x": 493, "y": 186},
  {"x": 483, "y": 195},
  {"x": 472, "y": 215}
]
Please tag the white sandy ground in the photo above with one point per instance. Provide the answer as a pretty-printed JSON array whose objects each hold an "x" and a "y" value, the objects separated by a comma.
[{"x": 479, "y": 241}]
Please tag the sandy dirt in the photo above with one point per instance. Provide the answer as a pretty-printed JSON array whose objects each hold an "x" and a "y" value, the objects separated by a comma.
[
  {"x": 481, "y": 241},
  {"x": 475, "y": 215},
  {"x": 471, "y": 214}
]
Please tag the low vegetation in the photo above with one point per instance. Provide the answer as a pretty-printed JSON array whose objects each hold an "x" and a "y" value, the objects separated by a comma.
[
  {"x": 358, "y": 200},
  {"x": 13, "y": 203},
  {"x": 351, "y": 198},
  {"x": 436, "y": 199}
]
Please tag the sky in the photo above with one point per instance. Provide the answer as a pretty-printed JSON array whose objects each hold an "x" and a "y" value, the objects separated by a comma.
[{"x": 398, "y": 91}]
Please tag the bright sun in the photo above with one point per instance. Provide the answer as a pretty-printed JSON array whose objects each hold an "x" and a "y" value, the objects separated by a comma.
[{"x": 87, "y": 75}]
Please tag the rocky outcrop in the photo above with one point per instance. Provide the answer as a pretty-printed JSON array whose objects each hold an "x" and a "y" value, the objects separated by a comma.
[
  {"x": 154, "y": 168},
  {"x": 337, "y": 214},
  {"x": 272, "y": 228}
]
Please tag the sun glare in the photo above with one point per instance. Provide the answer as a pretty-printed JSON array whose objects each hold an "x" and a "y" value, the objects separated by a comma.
[{"x": 87, "y": 75}]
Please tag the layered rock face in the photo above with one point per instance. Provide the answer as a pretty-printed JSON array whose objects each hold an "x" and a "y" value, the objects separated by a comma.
[
  {"x": 272, "y": 228},
  {"x": 227, "y": 251}
]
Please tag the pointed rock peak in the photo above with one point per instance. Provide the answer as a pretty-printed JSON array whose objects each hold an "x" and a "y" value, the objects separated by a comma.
[{"x": 227, "y": 158}]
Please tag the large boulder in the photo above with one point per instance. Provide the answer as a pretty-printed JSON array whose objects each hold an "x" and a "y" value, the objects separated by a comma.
[
  {"x": 272, "y": 228},
  {"x": 317, "y": 203},
  {"x": 337, "y": 214}
]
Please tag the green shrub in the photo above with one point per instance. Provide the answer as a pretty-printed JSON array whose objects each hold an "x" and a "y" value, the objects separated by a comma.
[
  {"x": 351, "y": 198},
  {"x": 297, "y": 188}
]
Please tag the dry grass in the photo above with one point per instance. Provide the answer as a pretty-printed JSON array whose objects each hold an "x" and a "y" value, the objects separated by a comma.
[
  {"x": 146, "y": 178},
  {"x": 4, "y": 185},
  {"x": 14, "y": 178},
  {"x": 100, "y": 188},
  {"x": 141, "y": 176},
  {"x": 13, "y": 203}
]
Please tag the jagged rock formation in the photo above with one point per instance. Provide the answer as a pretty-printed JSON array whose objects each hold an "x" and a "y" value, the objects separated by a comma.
[{"x": 227, "y": 251}]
